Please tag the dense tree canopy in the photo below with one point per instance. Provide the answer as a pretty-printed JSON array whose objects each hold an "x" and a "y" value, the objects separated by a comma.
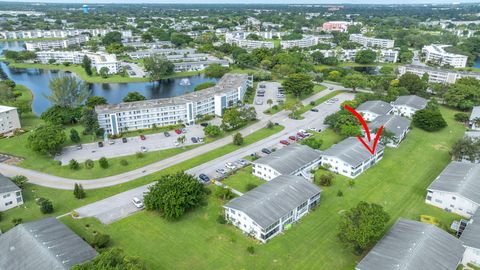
[
  {"x": 47, "y": 139},
  {"x": 134, "y": 96},
  {"x": 158, "y": 67},
  {"x": 112, "y": 259},
  {"x": 68, "y": 92},
  {"x": 298, "y": 84}
]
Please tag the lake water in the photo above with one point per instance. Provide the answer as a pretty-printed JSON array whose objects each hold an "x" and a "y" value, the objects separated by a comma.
[
  {"x": 477, "y": 63},
  {"x": 38, "y": 79}
]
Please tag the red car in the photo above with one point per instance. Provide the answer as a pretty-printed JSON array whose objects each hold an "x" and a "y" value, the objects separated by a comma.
[
  {"x": 178, "y": 131},
  {"x": 301, "y": 135},
  {"x": 293, "y": 138},
  {"x": 142, "y": 137},
  {"x": 285, "y": 142}
]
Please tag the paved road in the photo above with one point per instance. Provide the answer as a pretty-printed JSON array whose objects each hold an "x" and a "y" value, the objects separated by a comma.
[
  {"x": 134, "y": 68},
  {"x": 52, "y": 181},
  {"x": 119, "y": 206}
]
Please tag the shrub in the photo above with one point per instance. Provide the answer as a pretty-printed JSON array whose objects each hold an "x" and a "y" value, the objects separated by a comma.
[
  {"x": 46, "y": 207},
  {"x": 461, "y": 117},
  {"x": 312, "y": 103},
  {"x": 103, "y": 162},
  {"x": 250, "y": 186},
  {"x": 325, "y": 179},
  {"x": 223, "y": 193},
  {"x": 89, "y": 164},
  {"x": 78, "y": 191},
  {"x": 339, "y": 193},
  {"x": 123, "y": 162},
  {"x": 351, "y": 183},
  {"x": 221, "y": 219},
  {"x": 17, "y": 221},
  {"x": 100, "y": 240},
  {"x": 20, "y": 180},
  {"x": 238, "y": 139},
  {"x": 139, "y": 155},
  {"x": 251, "y": 250},
  {"x": 73, "y": 164}
]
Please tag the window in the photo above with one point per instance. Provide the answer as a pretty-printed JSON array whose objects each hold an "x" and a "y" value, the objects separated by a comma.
[
  {"x": 8, "y": 203},
  {"x": 6, "y": 195}
]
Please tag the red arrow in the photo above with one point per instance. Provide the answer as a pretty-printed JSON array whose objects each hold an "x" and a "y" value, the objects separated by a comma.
[{"x": 367, "y": 131}]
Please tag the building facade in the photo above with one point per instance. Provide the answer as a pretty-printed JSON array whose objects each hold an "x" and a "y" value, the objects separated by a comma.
[
  {"x": 10, "y": 194},
  {"x": 269, "y": 209},
  {"x": 397, "y": 125},
  {"x": 56, "y": 44},
  {"x": 118, "y": 118},
  {"x": 332, "y": 26},
  {"x": 9, "y": 120},
  {"x": 99, "y": 60},
  {"x": 372, "y": 109},
  {"x": 436, "y": 54},
  {"x": 308, "y": 41},
  {"x": 408, "y": 105},
  {"x": 372, "y": 42},
  {"x": 59, "y": 33}
]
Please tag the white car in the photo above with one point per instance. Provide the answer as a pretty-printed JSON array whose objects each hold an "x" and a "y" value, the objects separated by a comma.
[
  {"x": 136, "y": 201},
  {"x": 230, "y": 166},
  {"x": 111, "y": 142},
  {"x": 143, "y": 149},
  {"x": 314, "y": 129},
  {"x": 176, "y": 143}
]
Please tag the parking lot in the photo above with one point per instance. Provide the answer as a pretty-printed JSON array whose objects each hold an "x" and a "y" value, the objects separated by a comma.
[
  {"x": 154, "y": 142},
  {"x": 134, "y": 70},
  {"x": 270, "y": 91}
]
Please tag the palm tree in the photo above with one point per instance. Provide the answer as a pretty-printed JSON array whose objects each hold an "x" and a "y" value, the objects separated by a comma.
[
  {"x": 270, "y": 102},
  {"x": 181, "y": 140}
]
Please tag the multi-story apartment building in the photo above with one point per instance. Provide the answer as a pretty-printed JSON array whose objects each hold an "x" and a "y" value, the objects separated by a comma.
[
  {"x": 372, "y": 109},
  {"x": 249, "y": 44},
  {"x": 456, "y": 189},
  {"x": 118, "y": 118},
  {"x": 56, "y": 44},
  {"x": 9, "y": 120},
  {"x": 198, "y": 65},
  {"x": 271, "y": 208},
  {"x": 167, "y": 52},
  {"x": 99, "y": 60},
  {"x": 372, "y": 42},
  {"x": 340, "y": 26},
  {"x": 397, "y": 125},
  {"x": 10, "y": 194},
  {"x": 436, "y": 53},
  {"x": 305, "y": 42},
  {"x": 59, "y": 33},
  {"x": 383, "y": 55},
  {"x": 437, "y": 75},
  {"x": 350, "y": 158},
  {"x": 408, "y": 105}
]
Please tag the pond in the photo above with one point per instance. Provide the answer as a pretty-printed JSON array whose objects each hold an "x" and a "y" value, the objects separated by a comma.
[
  {"x": 38, "y": 79},
  {"x": 477, "y": 63}
]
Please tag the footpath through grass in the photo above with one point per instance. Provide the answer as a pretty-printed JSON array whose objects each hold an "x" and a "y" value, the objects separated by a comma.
[
  {"x": 197, "y": 241},
  {"x": 64, "y": 201}
]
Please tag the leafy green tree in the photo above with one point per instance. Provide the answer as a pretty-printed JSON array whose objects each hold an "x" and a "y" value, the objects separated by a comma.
[
  {"x": 298, "y": 84},
  {"x": 73, "y": 164},
  {"x": 115, "y": 48},
  {"x": 46, "y": 207},
  {"x": 462, "y": 95},
  {"x": 78, "y": 191},
  {"x": 223, "y": 193},
  {"x": 89, "y": 164},
  {"x": 325, "y": 179},
  {"x": 349, "y": 130},
  {"x": 147, "y": 37},
  {"x": 317, "y": 57},
  {"x": 112, "y": 259},
  {"x": 429, "y": 119},
  {"x": 232, "y": 119},
  {"x": 68, "y": 92},
  {"x": 89, "y": 120},
  {"x": 20, "y": 181},
  {"x": 74, "y": 137},
  {"x": 215, "y": 71},
  {"x": 158, "y": 67},
  {"x": 466, "y": 148},
  {"x": 46, "y": 139},
  {"x": 238, "y": 139},
  {"x": 87, "y": 65},
  {"x": 354, "y": 81},
  {"x": 365, "y": 57},
  {"x": 212, "y": 130},
  {"x": 461, "y": 117},
  {"x": 100, "y": 240},
  {"x": 179, "y": 39},
  {"x": 104, "y": 72},
  {"x": 61, "y": 115},
  {"x": 93, "y": 101},
  {"x": 112, "y": 37},
  {"x": 412, "y": 83},
  {"x": 103, "y": 162},
  {"x": 133, "y": 96},
  {"x": 174, "y": 194},
  {"x": 363, "y": 225},
  {"x": 313, "y": 142}
]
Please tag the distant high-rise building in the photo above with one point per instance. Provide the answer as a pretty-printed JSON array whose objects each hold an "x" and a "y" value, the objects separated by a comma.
[{"x": 85, "y": 9}]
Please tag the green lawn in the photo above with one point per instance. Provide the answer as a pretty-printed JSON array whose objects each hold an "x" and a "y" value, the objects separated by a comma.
[
  {"x": 290, "y": 98},
  {"x": 242, "y": 178},
  {"x": 64, "y": 201},
  {"x": 319, "y": 101},
  {"x": 329, "y": 138},
  {"x": 197, "y": 241}
]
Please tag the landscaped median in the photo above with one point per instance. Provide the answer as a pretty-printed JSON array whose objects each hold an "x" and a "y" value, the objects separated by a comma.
[
  {"x": 64, "y": 201},
  {"x": 198, "y": 241}
]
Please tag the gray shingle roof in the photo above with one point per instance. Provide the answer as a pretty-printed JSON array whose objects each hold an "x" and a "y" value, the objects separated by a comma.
[
  {"x": 412, "y": 245},
  {"x": 392, "y": 123},
  {"x": 475, "y": 113},
  {"x": 351, "y": 151},
  {"x": 376, "y": 106},
  {"x": 6, "y": 185},
  {"x": 44, "y": 244},
  {"x": 471, "y": 235},
  {"x": 462, "y": 178},
  {"x": 269, "y": 202},
  {"x": 411, "y": 101},
  {"x": 289, "y": 159}
]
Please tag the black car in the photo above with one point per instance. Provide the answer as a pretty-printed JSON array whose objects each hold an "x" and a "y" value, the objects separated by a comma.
[
  {"x": 194, "y": 140},
  {"x": 266, "y": 151},
  {"x": 314, "y": 110},
  {"x": 124, "y": 140},
  {"x": 204, "y": 124},
  {"x": 204, "y": 177},
  {"x": 166, "y": 134},
  {"x": 100, "y": 144}
]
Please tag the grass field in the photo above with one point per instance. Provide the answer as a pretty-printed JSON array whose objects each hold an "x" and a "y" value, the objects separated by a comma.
[
  {"x": 242, "y": 178},
  {"x": 197, "y": 241}
]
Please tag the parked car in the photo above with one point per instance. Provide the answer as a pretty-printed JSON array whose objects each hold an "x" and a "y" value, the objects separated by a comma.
[
  {"x": 79, "y": 147},
  {"x": 143, "y": 149},
  {"x": 184, "y": 130},
  {"x": 284, "y": 142},
  {"x": 266, "y": 151},
  {"x": 300, "y": 134},
  {"x": 262, "y": 85},
  {"x": 330, "y": 88},
  {"x": 124, "y": 140},
  {"x": 243, "y": 162},
  {"x": 230, "y": 166},
  {"x": 259, "y": 101},
  {"x": 221, "y": 171},
  {"x": 200, "y": 139},
  {"x": 176, "y": 143},
  {"x": 204, "y": 124},
  {"x": 100, "y": 144},
  {"x": 178, "y": 131},
  {"x": 204, "y": 177},
  {"x": 136, "y": 201},
  {"x": 111, "y": 142},
  {"x": 166, "y": 133},
  {"x": 194, "y": 140},
  {"x": 142, "y": 137},
  {"x": 314, "y": 110},
  {"x": 314, "y": 129},
  {"x": 293, "y": 138}
]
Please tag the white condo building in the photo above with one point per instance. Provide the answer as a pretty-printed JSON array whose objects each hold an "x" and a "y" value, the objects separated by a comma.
[
  {"x": 305, "y": 42},
  {"x": 372, "y": 42},
  {"x": 271, "y": 208},
  {"x": 59, "y": 33},
  {"x": 372, "y": 109},
  {"x": 436, "y": 53},
  {"x": 10, "y": 194},
  {"x": 383, "y": 55},
  {"x": 474, "y": 119},
  {"x": 228, "y": 91},
  {"x": 350, "y": 158},
  {"x": 99, "y": 59},
  {"x": 437, "y": 75},
  {"x": 55, "y": 44},
  {"x": 408, "y": 105},
  {"x": 9, "y": 120}
]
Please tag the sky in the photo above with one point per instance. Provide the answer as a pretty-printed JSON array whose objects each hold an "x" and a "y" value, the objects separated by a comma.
[{"x": 256, "y": 1}]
